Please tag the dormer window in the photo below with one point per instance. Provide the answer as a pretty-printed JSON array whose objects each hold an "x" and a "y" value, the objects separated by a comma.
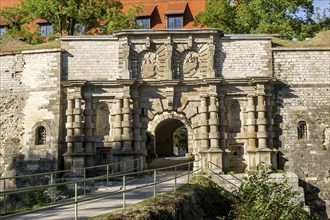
[
  {"x": 2, "y": 30},
  {"x": 45, "y": 29},
  {"x": 143, "y": 22},
  {"x": 175, "y": 15},
  {"x": 175, "y": 21},
  {"x": 143, "y": 19}
]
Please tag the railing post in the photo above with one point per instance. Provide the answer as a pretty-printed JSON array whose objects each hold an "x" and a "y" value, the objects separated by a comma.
[
  {"x": 52, "y": 188},
  {"x": 155, "y": 179},
  {"x": 175, "y": 168},
  {"x": 75, "y": 201},
  {"x": 107, "y": 175},
  {"x": 84, "y": 181},
  {"x": 124, "y": 192},
  {"x": 4, "y": 196},
  {"x": 188, "y": 173}
]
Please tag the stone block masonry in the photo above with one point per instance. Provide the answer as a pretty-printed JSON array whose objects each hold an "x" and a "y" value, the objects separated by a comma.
[
  {"x": 116, "y": 99},
  {"x": 304, "y": 97},
  {"x": 30, "y": 98}
]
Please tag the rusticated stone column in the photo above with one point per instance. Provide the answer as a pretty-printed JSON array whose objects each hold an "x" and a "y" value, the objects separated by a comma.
[
  {"x": 214, "y": 124},
  {"x": 223, "y": 134},
  {"x": 117, "y": 125},
  {"x": 223, "y": 123},
  {"x": 204, "y": 137},
  {"x": 251, "y": 123},
  {"x": 261, "y": 122},
  {"x": 214, "y": 153},
  {"x": 270, "y": 120},
  {"x": 252, "y": 159},
  {"x": 78, "y": 126},
  {"x": 137, "y": 138},
  {"x": 69, "y": 126},
  {"x": 126, "y": 125},
  {"x": 89, "y": 132},
  {"x": 270, "y": 134}
]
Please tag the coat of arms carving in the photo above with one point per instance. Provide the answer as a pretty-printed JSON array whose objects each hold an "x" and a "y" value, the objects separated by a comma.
[
  {"x": 190, "y": 63},
  {"x": 149, "y": 65}
]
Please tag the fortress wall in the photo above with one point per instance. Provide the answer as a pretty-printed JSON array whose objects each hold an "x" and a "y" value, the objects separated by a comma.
[
  {"x": 30, "y": 96},
  {"x": 243, "y": 57},
  {"x": 304, "y": 95},
  {"x": 95, "y": 59}
]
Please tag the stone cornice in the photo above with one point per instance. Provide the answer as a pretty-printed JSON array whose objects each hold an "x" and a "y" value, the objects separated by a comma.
[
  {"x": 168, "y": 31},
  {"x": 285, "y": 49}
]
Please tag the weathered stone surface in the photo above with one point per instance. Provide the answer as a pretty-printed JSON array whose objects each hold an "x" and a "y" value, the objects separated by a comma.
[{"x": 104, "y": 99}]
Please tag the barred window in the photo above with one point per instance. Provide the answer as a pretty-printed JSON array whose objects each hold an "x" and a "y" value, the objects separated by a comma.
[
  {"x": 40, "y": 135},
  {"x": 302, "y": 130}
]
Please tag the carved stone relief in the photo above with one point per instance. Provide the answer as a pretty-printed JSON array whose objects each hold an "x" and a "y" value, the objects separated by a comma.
[
  {"x": 149, "y": 64},
  {"x": 326, "y": 137},
  {"x": 190, "y": 63}
]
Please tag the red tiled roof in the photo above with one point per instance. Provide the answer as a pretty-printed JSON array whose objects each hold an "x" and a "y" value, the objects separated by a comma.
[
  {"x": 177, "y": 8},
  {"x": 147, "y": 10}
]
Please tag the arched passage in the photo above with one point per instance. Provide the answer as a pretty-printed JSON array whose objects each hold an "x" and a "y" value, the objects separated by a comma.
[
  {"x": 164, "y": 136},
  {"x": 161, "y": 129}
]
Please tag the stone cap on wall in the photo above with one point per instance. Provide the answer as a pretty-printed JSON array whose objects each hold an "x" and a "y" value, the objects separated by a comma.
[{"x": 169, "y": 31}]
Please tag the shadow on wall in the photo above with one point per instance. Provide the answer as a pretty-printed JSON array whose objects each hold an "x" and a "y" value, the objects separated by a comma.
[
  {"x": 65, "y": 65},
  {"x": 312, "y": 199}
]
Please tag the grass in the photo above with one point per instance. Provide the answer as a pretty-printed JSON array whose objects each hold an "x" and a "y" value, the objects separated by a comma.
[
  {"x": 200, "y": 200},
  {"x": 10, "y": 45},
  {"x": 321, "y": 40}
]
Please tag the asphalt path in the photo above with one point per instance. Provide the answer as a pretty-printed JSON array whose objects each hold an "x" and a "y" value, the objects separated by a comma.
[{"x": 107, "y": 199}]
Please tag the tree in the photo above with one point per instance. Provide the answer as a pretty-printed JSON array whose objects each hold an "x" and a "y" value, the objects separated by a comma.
[
  {"x": 261, "y": 198},
  {"x": 180, "y": 138},
  {"x": 67, "y": 16},
  {"x": 218, "y": 14},
  {"x": 285, "y": 17}
]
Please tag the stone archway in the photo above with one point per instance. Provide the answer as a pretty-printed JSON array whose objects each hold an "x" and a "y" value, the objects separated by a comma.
[{"x": 162, "y": 127}]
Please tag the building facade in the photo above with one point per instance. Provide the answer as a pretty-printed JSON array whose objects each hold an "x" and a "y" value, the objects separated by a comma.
[
  {"x": 155, "y": 14},
  {"x": 109, "y": 99}
]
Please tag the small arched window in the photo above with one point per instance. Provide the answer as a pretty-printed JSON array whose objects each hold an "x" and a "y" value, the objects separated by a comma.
[
  {"x": 302, "y": 130},
  {"x": 40, "y": 135}
]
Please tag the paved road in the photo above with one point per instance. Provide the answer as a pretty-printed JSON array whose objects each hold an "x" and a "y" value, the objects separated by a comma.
[{"x": 107, "y": 200}]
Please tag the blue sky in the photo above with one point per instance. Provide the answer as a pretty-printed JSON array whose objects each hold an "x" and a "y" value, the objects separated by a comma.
[{"x": 322, "y": 4}]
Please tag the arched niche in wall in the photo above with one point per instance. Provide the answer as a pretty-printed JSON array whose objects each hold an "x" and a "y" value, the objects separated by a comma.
[
  {"x": 234, "y": 119},
  {"x": 102, "y": 120},
  {"x": 302, "y": 130},
  {"x": 41, "y": 134}
]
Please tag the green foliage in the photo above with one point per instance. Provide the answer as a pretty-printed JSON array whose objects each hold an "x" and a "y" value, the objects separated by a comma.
[
  {"x": 260, "y": 198},
  {"x": 69, "y": 17},
  {"x": 201, "y": 200},
  {"x": 217, "y": 14},
  {"x": 261, "y": 16},
  {"x": 180, "y": 139},
  {"x": 115, "y": 20}
]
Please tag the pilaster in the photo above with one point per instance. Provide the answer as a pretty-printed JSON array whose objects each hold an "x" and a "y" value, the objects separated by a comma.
[{"x": 168, "y": 67}]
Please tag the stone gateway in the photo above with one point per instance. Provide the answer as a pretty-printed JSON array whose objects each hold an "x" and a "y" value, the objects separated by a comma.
[{"x": 109, "y": 99}]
